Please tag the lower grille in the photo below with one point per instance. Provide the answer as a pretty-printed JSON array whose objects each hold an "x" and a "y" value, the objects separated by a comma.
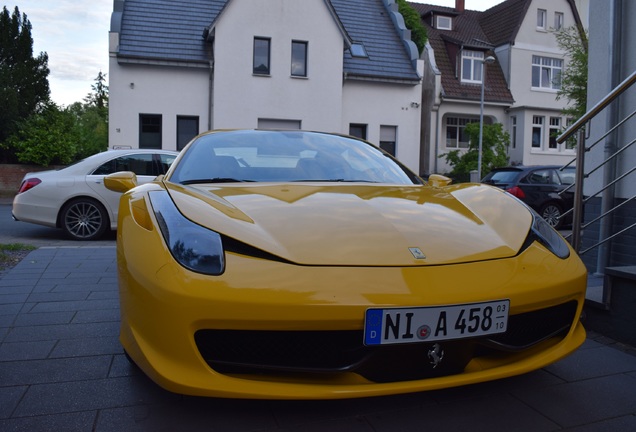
[
  {"x": 276, "y": 352},
  {"x": 527, "y": 329}
]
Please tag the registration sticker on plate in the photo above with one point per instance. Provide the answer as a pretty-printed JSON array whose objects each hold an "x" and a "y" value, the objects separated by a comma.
[{"x": 409, "y": 325}]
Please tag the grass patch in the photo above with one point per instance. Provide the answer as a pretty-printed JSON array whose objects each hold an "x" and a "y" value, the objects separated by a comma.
[{"x": 11, "y": 254}]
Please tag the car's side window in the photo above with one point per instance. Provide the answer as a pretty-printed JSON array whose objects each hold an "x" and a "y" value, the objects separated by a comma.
[
  {"x": 567, "y": 177},
  {"x": 140, "y": 164},
  {"x": 545, "y": 176},
  {"x": 165, "y": 160}
]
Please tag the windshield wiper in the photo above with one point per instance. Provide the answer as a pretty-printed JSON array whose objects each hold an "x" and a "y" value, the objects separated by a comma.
[{"x": 215, "y": 180}]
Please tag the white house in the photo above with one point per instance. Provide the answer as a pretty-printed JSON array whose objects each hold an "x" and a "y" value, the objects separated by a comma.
[
  {"x": 521, "y": 85},
  {"x": 178, "y": 68}
]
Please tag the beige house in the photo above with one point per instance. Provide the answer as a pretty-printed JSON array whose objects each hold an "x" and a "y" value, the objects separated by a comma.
[{"x": 520, "y": 85}]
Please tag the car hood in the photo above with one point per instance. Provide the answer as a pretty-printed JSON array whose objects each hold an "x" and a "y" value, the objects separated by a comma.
[{"x": 361, "y": 225}]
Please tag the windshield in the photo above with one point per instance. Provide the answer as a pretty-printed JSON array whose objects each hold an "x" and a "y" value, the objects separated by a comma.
[{"x": 285, "y": 156}]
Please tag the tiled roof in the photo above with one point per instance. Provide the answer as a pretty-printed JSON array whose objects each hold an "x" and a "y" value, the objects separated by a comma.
[
  {"x": 368, "y": 22},
  {"x": 167, "y": 30},
  {"x": 466, "y": 32},
  {"x": 501, "y": 22},
  {"x": 172, "y": 31}
]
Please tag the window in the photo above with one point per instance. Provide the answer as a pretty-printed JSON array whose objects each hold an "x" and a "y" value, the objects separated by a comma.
[
  {"x": 555, "y": 130},
  {"x": 546, "y": 72},
  {"x": 299, "y": 59},
  {"x": 472, "y": 62},
  {"x": 541, "y": 19},
  {"x": 187, "y": 128},
  {"x": 537, "y": 131},
  {"x": 444, "y": 22},
  {"x": 358, "y": 130},
  {"x": 278, "y": 124},
  {"x": 570, "y": 143},
  {"x": 388, "y": 139},
  {"x": 140, "y": 164},
  {"x": 558, "y": 20},
  {"x": 358, "y": 50},
  {"x": 165, "y": 160},
  {"x": 261, "y": 56},
  {"x": 150, "y": 131},
  {"x": 456, "y": 136},
  {"x": 542, "y": 176},
  {"x": 513, "y": 131}
]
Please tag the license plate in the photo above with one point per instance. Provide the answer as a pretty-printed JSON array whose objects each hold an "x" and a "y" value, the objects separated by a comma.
[{"x": 419, "y": 324}]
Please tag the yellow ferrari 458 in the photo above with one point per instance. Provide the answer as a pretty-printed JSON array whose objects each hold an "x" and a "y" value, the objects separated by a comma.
[{"x": 292, "y": 264}]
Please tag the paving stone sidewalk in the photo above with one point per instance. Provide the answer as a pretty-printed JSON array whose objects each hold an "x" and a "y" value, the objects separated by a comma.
[{"x": 62, "y": 369}]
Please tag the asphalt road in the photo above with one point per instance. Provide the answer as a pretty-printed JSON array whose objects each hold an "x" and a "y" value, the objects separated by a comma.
[{"x": 21, "y": 232}]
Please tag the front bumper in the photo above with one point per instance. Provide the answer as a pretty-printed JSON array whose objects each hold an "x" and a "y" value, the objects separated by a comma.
[{"x": 164, "y": 307}]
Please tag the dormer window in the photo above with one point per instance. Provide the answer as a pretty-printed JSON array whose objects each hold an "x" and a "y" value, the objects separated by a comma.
[
  {"x": 472, "y": 62},
  {"x": 443, "y": 22}
]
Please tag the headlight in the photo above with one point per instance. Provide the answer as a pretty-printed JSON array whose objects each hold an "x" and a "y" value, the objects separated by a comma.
[
  {"x": 548, "y": 236},
  {"x": 193, "y": 246}
]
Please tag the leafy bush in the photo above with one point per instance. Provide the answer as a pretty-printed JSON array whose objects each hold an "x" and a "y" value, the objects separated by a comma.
[{"x": 495, "y": 142}]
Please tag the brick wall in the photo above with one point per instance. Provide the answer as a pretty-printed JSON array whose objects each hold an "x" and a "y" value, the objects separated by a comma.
[{"x": 11, "y": 176}]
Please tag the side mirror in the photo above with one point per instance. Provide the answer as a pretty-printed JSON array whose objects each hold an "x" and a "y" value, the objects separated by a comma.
[
  {"x": 438, "y": 181},
  {"x": 121, "y": 181}
]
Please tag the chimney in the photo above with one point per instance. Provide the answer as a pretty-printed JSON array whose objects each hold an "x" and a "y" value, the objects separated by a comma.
[{"x": 459, "y": 5}]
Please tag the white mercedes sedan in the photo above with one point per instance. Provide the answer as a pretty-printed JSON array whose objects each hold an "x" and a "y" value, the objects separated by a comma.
[{"x": 75, "y": 199}]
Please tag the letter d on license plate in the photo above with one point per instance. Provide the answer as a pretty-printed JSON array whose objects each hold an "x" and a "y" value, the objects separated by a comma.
[{"x": 410, "y": 325}]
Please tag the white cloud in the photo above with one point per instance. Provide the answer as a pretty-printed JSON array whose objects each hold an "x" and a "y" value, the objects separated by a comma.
[{"x": 74, "y": 34}]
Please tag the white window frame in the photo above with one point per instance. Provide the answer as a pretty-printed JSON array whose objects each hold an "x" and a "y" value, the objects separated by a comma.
[
  {"x": 538, "y": 123},
  {"x": 443, "y": 22},
  {"x": 513, "y": 131},
  {"x": 559, "y": 20},
  {"x": 458, "y": 124},
  {"x": 472, "y": 65},
  {"x": 553, "y": 133},
  {"x": 570, "y": 143},
  {"x": 546, "y": 73},
  {"x": 542, "y": 18}
]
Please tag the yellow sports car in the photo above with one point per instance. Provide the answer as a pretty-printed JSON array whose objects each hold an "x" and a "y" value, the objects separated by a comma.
[{"x": 291, "y": 264}]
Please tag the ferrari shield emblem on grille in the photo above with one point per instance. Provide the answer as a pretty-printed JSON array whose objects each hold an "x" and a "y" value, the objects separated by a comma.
[
  {"x": 417, "y": 253},
  {"x": 436, "y": 355}
]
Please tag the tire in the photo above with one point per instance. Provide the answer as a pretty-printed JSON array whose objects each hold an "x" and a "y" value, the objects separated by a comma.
[
  {"x": 551, "y": 213},
  {"x": 84, "y": 219}
]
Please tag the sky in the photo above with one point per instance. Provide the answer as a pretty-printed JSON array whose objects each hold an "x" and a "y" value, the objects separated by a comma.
[{"x": 74, "y": 34}]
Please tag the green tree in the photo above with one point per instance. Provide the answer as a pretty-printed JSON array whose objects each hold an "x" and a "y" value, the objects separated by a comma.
[
  {"x": 99, "y": 96},
  {"x": 24, "y": 86},
  {"x": 413, "y": 22},
  {"x": 48, "y": 137},
  {"x": 92, "y": 123},
  {"x": 495, "y": 142},
  {"x": 61, "y": 136},
  {"x": 574, "y": 76}
]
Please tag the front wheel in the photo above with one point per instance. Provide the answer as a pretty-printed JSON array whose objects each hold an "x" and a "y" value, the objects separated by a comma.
[
  {"x": 84, "y": 219},
  {"x": 552, "y": 214}
]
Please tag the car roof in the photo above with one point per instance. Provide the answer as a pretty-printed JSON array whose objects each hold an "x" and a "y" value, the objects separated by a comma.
[{"x": 531, "y": 167}]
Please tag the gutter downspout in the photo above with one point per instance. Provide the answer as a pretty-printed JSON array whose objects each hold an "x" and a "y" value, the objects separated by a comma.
[
  {"x": 609, "y": 172},
  {"x": 211, "y": 96}
]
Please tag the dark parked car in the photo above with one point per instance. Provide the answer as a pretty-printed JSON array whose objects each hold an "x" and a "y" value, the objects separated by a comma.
[{"x": 539, "y": 187}]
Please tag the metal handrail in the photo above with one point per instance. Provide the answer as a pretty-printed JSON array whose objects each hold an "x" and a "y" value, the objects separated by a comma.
[
  {"x": 581, "y": 149},
  {"x": 592, "y": 112}
]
